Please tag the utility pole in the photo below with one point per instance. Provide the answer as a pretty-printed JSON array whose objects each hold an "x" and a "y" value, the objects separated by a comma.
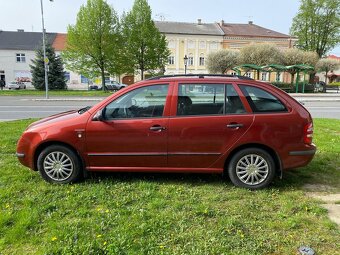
[{"x": 46, "y": 60}]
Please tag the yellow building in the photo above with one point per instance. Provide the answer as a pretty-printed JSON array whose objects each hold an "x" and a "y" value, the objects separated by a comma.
[
  {"x": 193, "y": 40},
  {"x": 197, "y": 40}
]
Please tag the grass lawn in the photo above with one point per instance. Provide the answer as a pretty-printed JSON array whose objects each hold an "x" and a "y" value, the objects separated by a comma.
[
  {"x": 24, "y": 92},
  {"x": 166, "y": 213}
]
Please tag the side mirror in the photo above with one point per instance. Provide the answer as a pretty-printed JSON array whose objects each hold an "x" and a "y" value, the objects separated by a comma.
[{"x": 99, "y": 116}]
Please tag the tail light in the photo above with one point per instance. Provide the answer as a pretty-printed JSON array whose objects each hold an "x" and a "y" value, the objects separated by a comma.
[{"x": 308, "y": 133}]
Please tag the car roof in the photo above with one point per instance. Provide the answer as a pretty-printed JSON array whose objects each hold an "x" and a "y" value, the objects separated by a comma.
[{"x": 199, "y": 78}]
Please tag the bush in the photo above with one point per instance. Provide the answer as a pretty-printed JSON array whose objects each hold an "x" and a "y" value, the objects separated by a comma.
[{"x": 334, "y": 84}]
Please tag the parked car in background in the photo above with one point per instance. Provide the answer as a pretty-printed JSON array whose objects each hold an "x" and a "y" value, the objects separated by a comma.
[
  {"x": 248, "y": 130},
  {"x": 109, "y": 85},
  {"x": 114, "y": 85},
  {"x": 93, "y": 87},
  {"x": 16, "y": 85}
]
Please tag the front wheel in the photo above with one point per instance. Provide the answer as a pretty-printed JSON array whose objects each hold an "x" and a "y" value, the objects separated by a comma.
[
  {"x": 59, "y": 164},
  {"x": 251, "y": 168}
]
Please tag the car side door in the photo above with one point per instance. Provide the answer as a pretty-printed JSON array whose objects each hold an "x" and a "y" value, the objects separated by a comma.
[
  {"x": 208, "y": 120},
  {"x": 132, "y": 134}
]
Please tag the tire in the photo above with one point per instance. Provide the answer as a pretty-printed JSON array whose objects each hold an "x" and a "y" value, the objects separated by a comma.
[
  {"x": 59, "y": 164},
  {"x": 251, "y": 168}
]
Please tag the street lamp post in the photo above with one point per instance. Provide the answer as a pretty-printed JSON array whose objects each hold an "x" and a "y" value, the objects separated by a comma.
[
  {"x": 185, "y": 64},
  {"x": 44, "y": 47}
]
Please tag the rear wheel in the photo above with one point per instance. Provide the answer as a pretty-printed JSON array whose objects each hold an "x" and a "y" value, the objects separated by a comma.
[
  {"x": 59, "y": 164},
  {"x": 251, "y": 168}
]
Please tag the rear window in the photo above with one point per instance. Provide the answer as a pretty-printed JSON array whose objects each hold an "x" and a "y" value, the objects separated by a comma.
[
  {"x": 200, "y": 99},
  {"x": 262, "y": 101}
]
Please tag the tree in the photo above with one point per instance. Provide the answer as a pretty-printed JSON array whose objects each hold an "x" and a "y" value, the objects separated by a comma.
[
  {"x": 327, "y": 65},
  {"x": 294, "y": 56},
  {"x": 146, "y": 47},
  {"x": 94, "y": 42},
  {"x": 260, "y": 54},
  {"x": 56, "y": 74},
  {"x": 317, "y": 25},
  {"x": 221, "y": 61}
]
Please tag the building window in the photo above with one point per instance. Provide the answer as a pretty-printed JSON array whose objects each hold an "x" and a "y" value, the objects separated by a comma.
[
  {"x": 21, "y": 58},
  {"x": 171, "y": 60},
  {"x": 214, "y": 45},
  {"x": 171, "y": 44},
  {"x": 263, "y": 76},
  {"x": 190, "y": 60},
  {"x": 201, "y": 62},
  {"x": 67, "y": 76},
  {"x": 248, "y": 74},
  {"x": 202, "y": 44},
  {"x": 83, "y": 79},
  {"x": 191, "y": 44},
  {"x": 278, "y": 76}
]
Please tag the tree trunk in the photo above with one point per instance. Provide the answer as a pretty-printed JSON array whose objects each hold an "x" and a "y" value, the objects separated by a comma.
[
  {"x": 142, "y": 73},
  {"x": 103, "y": 79},
  {"x": 312, "y": 78}
]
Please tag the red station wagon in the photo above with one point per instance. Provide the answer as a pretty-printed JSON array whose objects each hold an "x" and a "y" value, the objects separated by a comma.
[{"x": 248, "y": 130}]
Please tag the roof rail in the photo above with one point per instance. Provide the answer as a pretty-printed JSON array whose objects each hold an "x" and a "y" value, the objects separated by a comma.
[{"x": 201, "y": 76}]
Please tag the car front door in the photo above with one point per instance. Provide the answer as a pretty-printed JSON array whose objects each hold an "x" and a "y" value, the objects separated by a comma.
[
  {"x": 132, "y": 134},
  {"x": 209, "y": 120}
]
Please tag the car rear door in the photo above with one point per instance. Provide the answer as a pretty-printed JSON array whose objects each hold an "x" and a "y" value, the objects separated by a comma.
[{"x": 206, "y": 120}]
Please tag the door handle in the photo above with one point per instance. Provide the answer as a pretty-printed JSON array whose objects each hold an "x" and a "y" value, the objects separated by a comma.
[
  {"x": 157, "y": 128},
  {"x": 235, "y": 125}
]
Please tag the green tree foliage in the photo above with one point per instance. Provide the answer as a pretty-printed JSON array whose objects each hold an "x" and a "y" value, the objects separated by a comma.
[
  {"x": 222, "y": 60},
  {"x": 94, "y": 42},
  {"x": 260, "y": 54},
  {"x": 317, "y": 25},
  {"x": 56, "y": 74},
  {"x": 146, "y": 48},
  {"x": 294, "y": 56},
  {"x": 327, "y": 65}
]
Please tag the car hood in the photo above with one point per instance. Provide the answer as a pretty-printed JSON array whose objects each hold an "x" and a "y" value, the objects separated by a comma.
[{"x": 46, "y": 122}]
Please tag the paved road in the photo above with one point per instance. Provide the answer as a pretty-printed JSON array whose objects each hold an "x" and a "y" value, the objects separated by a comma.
[
  {"x": 12, "y": 108},
  {"x": 324, "y": 109}
]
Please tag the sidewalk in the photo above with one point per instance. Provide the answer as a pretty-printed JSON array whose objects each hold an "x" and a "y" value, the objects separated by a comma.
[{"x": 314, "y": 97}]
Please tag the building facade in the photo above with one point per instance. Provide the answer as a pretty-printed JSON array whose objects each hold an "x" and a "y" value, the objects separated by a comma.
[
  {"x": 17, "y": 50},
  {"x": 193, "y": 41}
]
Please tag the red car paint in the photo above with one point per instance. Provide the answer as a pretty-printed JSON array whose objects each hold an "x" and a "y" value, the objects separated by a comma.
[{"x": 199, "y": 143}]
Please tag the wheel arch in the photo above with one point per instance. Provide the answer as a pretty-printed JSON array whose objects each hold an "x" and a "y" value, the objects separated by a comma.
[
  {"x": 44, "y": 145},
  {"x": 272, "y": 153}
]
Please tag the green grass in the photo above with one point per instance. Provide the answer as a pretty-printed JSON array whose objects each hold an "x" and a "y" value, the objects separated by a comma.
[
  {"x": 165, "y": 213},
  {"x": 24, "y": 92}
]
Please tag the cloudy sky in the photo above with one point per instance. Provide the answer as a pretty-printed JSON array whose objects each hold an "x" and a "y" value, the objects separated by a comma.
[{"x": 272, "y": 14}]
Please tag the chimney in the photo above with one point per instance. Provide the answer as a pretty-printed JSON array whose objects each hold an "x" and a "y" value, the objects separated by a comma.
[
  {"x": 250, "y": 22},
  {"x": 21, "y": 30},
  {"x": 222, "y": 22},
  {"x": 199, "y": 21}
]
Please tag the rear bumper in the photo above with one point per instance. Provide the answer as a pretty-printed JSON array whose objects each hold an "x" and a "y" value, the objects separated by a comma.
[
  {"x": 300, "y": 157},
  {"x": 302, "y": 153}
]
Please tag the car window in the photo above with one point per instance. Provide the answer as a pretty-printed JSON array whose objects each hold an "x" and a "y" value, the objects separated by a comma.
[
  {"x": 200, "y": 99},
  {"x": 261, "y": 100},
  {"x": 233, "y": 102},
  {"x": 145, "y": 102}
]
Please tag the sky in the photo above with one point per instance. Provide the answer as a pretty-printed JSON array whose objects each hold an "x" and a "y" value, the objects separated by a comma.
[{"x": 272, "y": 14}]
